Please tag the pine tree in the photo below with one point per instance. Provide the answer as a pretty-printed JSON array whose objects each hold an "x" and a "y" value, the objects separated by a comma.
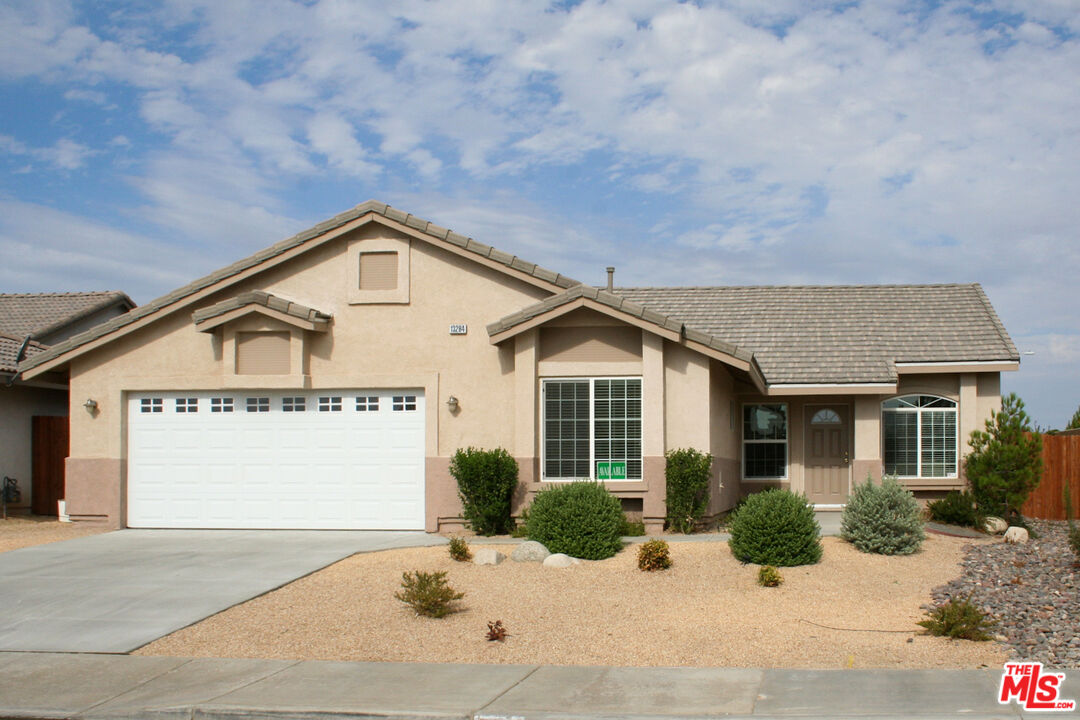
[
  {"x": 1005, "y": 463},
  {"x": 1074, "y": 424}
]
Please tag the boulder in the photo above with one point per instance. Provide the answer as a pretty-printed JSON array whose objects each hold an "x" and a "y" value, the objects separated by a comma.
[
  {"x": 1016, "y": 535},
  {"x": 487, "y": 556},
  {"x": 560, "y": 560},
  {"x": 530, "y": 551},
  {"x": 995, "y": 525}
]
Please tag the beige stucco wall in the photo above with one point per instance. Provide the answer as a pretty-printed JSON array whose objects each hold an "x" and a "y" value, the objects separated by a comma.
[
  {"x": 18, "y": 404},
  {"x": 368, "y": 346}
]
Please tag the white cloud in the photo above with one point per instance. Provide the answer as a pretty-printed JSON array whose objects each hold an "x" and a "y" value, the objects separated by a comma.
[{"x": 66, "y": 154}]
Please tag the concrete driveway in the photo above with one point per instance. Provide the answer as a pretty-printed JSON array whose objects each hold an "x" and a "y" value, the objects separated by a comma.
[{"x": 116, "y": 592}]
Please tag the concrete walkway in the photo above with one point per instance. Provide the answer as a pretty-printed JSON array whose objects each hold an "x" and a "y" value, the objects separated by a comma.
[
  {"x": 35, "y": 685},
  {"x": 115, "y": 592}
]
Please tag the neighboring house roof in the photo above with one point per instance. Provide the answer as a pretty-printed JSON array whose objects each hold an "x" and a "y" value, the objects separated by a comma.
[
  {"x": 840, "y": 334},
  {"x": 372, "y": 208},
  {"x": 39, "y": 314},
  {"x": 10, "y": 345}
]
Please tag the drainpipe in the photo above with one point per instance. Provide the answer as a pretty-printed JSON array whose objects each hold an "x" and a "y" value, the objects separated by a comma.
[{"x": 610, "y": 280}]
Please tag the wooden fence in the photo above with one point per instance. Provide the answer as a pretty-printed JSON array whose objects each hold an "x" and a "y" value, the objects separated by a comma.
[{"x": 1061, "y": 464}]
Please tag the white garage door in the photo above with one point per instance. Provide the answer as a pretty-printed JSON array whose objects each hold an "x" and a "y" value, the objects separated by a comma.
[{"x": 342, "y": 459}]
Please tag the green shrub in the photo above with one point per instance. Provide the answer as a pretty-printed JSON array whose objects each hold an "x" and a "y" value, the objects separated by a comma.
[
  {"x": 486, "y": 480},
  {"x": 428, "y": 593},
  {"x": 634, "y": 528},
  {"x": 459, "y": 549},
  {"x": 883, "y": 519},
  {"x": 687, "y": 475},
  {"x": 653, "y": 555},
  {"x": 959, "y": 619},
  {"x": 956, "y": 508},
  {"x": 768, "y": 576},
  {"x": 775, "y": 527},
  {"x": 581, "y": 519},
  {"x": 1074, "y": 530}
]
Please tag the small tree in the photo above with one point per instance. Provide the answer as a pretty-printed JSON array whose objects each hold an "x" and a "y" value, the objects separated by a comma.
[
  {"x": 1074, "y": 424},
  {"x": 486, "y": 480},
  {"x": 1005, "y": 463},
  {"x": 687, "y": 476}
]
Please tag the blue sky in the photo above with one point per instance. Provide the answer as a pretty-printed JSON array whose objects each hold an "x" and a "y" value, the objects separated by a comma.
[{"x": 144, "y": 144}]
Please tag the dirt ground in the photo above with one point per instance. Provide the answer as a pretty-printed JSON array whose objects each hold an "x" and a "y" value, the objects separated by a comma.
[
  {"x": 26, "y": 530},
  {"x": 851, "y": 610}
]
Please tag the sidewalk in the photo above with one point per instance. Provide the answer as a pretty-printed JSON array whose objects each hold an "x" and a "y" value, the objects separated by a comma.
[{"x": 47, "y": 685}]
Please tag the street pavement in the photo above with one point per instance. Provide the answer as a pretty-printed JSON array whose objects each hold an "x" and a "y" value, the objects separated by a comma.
[{"x": 123, "y": 687}]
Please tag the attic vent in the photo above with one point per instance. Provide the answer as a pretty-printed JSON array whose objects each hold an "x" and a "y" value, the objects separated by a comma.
[
  {"x": 262, "y": 353},
  {"x": 378, "y": 270}
]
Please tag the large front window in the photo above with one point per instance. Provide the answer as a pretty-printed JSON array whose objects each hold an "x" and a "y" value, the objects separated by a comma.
[
  {"x": 592, "y": 429},
  {"x": 919, "y": 436},
  {"x": 765, "y": 435}
]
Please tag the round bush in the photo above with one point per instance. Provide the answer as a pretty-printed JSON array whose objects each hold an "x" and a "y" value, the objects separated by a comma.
[
  {"x": 775, "y": 527},
  {"x": 581, "y": 519},
  {"x": 883, "y": 519}
]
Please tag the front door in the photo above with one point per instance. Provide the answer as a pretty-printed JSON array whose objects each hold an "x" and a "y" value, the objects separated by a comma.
[{"x": 828, "y": 454}]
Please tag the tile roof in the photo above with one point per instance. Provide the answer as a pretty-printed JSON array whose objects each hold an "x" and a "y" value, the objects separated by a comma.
[
  {"x": 258, "y": 297},
  {"x": 371, "y": 206},
  {"x": 618, "y": 302},
  {"x": 840, "y": 334},
  {"x": 9, "y": 351},
  {"x": 38, "y": 314}
]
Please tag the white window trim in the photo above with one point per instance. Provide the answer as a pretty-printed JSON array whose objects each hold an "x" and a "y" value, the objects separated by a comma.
[
  {"x": 743, "y": 441},
  {"x": 592, "y": 428},
  {"x": 955, "y": 410}
]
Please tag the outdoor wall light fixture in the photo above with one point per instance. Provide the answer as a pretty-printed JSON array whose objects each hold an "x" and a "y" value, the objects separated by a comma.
[
  {"x": 452, "y": 403},
  {"x": 90, "y": 405}
]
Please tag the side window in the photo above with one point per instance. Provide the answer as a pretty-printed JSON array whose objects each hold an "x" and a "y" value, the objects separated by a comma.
[{"x": 765, "y": 436}]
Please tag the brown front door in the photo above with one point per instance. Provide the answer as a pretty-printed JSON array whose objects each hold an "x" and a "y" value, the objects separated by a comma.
[
  {"x": 49, "y": 448},
  {"x": 828, "y": 454}
]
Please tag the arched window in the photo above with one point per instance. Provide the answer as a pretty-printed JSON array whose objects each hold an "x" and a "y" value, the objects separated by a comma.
[
  {"x": 825, "y": 417},
  {"x": 918, "y": 435}
]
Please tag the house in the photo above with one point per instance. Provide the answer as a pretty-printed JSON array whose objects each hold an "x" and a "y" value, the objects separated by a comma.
[
  {"x": 326, "y": 381},
  {"x": 29, "y": 324}
]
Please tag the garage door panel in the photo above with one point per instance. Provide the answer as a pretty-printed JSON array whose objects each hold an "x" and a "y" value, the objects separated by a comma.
[{"x": 360, "y": 466}]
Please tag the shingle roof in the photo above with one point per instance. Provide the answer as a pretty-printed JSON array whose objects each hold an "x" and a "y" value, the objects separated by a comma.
[
  {"x": 371, "y": 206},
  {"x": 258, "y": 297},
  {"x": 38, "y": 314},
  {"x": 9, "y": 351},
  {"x": 840, "y": 334}
]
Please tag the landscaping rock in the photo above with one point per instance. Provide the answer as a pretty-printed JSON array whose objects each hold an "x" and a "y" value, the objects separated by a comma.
[
  {"x": 560, "y": 560},
  {"x": 487, "y": 556},
  {"x": 995, "y": 525},
  {"x": 1030, "y": 589},
  {"x": 1016, "y": 536},
  {"x": 530, "y": 551}
]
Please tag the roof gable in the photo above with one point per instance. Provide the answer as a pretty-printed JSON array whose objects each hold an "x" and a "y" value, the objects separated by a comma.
[
  {"x": 263, "y": 303},
  {"x": 370, "y": 211}
]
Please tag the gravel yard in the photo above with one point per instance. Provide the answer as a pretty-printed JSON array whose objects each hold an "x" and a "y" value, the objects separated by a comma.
[
  {"x": 26, "y": 530},
  {"x": 1032, "y": 590},
  {"x": 704, "y": 611}
]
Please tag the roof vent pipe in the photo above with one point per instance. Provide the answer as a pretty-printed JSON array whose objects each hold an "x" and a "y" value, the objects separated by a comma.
[{"x": 610, "y": 278}]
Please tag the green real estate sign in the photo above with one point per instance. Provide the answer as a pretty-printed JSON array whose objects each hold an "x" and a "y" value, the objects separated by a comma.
[{"x": 611, "y": 470}]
